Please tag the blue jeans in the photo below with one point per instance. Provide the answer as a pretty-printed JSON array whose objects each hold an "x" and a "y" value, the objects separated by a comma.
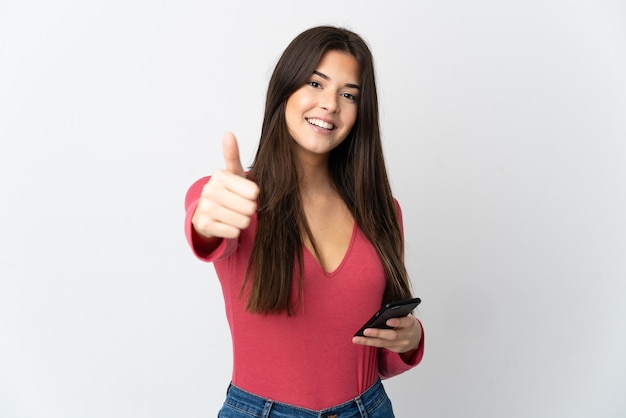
[{"x": 373, "y": 403}]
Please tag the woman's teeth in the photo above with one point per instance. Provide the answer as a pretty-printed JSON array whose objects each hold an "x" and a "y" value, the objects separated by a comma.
[{"x": 321, "y": 123}]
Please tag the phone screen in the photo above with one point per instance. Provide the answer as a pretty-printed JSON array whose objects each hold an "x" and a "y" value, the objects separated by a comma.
[{"x": 391, "y": 310}]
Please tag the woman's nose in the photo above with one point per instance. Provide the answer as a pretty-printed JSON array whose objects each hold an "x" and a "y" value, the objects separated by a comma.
[{"x": 328, "y": 101}]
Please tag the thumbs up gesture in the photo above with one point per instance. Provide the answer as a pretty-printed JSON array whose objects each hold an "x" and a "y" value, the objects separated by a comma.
[{"x": 228, "y": 200}]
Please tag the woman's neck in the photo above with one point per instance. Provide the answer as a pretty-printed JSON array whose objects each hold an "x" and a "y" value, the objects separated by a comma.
[{"x": 314, "y": 177}]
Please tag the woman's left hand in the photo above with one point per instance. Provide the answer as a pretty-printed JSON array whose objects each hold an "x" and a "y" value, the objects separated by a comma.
[{"x": 403, "y": 338}]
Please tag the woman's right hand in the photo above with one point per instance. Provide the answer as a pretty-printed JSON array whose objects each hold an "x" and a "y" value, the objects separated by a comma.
[{"x": 228, "y": 200}]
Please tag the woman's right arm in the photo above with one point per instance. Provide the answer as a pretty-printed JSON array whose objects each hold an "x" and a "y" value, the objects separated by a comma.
[{"x": 220, "y": 206}]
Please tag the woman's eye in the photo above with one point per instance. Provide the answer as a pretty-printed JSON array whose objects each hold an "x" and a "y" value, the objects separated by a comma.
[
  {"x": 349, "y": 96},
  {"x": 315, "y": 84}
]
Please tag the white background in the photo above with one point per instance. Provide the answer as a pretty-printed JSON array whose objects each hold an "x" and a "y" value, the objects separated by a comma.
[{"x": 505, "y": 135}]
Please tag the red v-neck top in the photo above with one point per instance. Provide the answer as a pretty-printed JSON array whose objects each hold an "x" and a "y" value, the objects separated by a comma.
[{"x": 307, "y": 359}]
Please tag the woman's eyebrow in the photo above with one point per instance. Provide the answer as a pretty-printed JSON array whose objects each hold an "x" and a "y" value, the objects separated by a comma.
[{"x": 325, "y": 77}]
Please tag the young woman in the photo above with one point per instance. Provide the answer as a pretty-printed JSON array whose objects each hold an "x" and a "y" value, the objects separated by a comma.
[{"x": 308, "y": 244}]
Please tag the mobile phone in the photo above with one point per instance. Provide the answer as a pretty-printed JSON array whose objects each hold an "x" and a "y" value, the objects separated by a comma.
[{"x": 391, "y": 310}]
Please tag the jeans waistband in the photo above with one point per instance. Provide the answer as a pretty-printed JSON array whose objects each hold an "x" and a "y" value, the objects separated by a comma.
[{"x": 361, "y": 406}]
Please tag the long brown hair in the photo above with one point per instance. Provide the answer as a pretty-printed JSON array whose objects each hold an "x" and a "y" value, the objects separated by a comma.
[{"x": 356, "y": 166}]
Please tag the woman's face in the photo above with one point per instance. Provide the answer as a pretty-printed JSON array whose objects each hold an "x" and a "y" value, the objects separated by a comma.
[{"x": 321, "y": 113}]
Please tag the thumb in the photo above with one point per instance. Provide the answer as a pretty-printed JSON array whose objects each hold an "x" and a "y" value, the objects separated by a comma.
[{"x": 231, "y": 154}]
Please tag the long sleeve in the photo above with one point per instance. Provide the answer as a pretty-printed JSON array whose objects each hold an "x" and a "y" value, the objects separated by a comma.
[{"x": 391, "y": 364}]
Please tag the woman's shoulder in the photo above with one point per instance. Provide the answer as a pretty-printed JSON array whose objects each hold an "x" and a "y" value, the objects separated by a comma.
[{"x": 397, "y": 204}]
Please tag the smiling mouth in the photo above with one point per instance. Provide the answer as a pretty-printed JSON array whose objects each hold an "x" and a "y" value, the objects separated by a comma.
[{"x": 321, "y": 124}]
